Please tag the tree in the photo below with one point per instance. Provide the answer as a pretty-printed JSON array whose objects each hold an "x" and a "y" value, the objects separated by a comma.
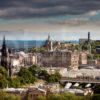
[
  {"x": 35, "y": 70},
  {"x": 54, "y": 77},
  {"x": 34, "y": 49},
  {"x": 3, "y": 82},
  {"x": 43, "y": 74},
  {"x": 3, "y": 77},
  {"x": 14, "y": 82},
  {"x": 26, "y": 76},
  {"x": 57, "y": 74},
  {"x": 3, "y": 71}
]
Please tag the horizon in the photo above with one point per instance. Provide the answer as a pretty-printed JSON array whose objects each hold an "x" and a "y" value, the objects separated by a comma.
[{"x": 21, "y": 35}]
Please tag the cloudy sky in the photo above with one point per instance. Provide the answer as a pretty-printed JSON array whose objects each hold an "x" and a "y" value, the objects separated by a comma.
[{"x": 62, "y": 19}]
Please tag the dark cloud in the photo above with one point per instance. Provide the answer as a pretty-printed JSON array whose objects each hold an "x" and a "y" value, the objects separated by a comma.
[{"x": 45, "y": 8}]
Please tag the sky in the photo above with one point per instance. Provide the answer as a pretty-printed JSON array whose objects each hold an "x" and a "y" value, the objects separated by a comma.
[{"x": 62, "y": 19}]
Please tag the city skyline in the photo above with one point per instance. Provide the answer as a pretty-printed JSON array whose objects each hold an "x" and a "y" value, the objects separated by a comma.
[{"x": 29, "y": 36}]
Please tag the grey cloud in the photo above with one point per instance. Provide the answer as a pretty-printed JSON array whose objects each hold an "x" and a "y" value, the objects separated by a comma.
[{"x": 45, "y": 8}]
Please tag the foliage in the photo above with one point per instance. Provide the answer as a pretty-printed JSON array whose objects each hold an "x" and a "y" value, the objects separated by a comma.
[
  {"x": 97, "y": 56},
  {"x": 34, "y": 49},
  {"x": 69, "y": 96},
  {"x": 26, "y": 76},
  {"x": 54, "y": 78},
  {"x": 41, "y": 98},
  {"x": 6, "y": 96},
  {"x": 96, "y": 89},
  {"x": 43, "y": 74},
  {"x": 96, "y": 97},
  {"x": 14, "y": 82},
  {"x": 3, "y": 77},
  {"x": 34, "y": 70},
  {"x": 3, "y": 71},
  {"x": 38, "y": 72},
  {"x": 65, "y": 96},
  {"x": 3, "y": 82}
]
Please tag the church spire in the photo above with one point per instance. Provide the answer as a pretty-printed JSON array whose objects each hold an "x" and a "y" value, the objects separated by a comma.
[{"x": 4, "y": 54}]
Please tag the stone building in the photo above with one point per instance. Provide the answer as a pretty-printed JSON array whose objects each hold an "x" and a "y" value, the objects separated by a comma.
[
  {"x": 83, "y": 58},
  {"x": 21, "y": 59},
  {"x": 59, "y": 58},
  {"x": 33, "y": 93}
]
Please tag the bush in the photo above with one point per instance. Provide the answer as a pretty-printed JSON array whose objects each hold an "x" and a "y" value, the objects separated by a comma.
[
  {"x": 96, "y": 97},
  {"x": 6, "y": 96},
  {"x": 3, "y": 82},
  {"x": 3, "y": 71},
  {"x": 14, "y": 82},
  {"x": 26, "y": 76},
  {"x": 54, "y": 78},
  {"x": 41, "y": 98}
]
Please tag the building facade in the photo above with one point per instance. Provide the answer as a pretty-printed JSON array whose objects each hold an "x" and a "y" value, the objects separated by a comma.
[
  {"x": 59, "y": 58},
  {"x": 83, "y": 58}
]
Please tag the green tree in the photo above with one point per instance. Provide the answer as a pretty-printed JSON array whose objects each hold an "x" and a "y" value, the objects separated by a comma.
[
  {"x": 43, "y": 74},
  {"x": 54, "y": 78},
  {"x": 3, "y": 71},
  {"x": 26, "y": 76},
  {"x": 3, "y": 77},
  {"x": 40, "y": 49},
  {"x": 35, "y": 70},
  {"x": 14, "y": 82},
  {"x": 3, "y": 82}
]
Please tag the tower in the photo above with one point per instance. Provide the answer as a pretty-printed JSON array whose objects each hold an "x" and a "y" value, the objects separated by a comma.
[
  {"x": 4, "y": 55},
  {"x": 88, "y": 43},
  {"x": 88, "y": 36},
  {"x": 5, "y": 59},
  {"x": 49, "y": 43},
  {"x": 89, "y": 46}
]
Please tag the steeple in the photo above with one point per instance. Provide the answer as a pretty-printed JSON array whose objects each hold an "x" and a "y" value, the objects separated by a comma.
[
  {"x": 5, "y": 59},
  {"x": 4, "y": 54}
]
